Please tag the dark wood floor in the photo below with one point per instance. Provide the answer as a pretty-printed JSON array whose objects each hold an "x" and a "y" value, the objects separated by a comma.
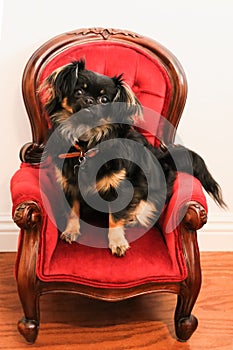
[{"x": 73, "y": 322}]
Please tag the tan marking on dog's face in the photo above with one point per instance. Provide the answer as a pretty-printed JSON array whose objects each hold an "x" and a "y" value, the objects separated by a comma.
[
  {"x": 110, "y": 181},
  {"x": 66, "y": 106},
  {"x": 131, "y": 100}
]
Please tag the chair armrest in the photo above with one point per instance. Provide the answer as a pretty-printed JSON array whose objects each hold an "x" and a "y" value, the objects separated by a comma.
[
  {"x": 27, "y": 209},
  {"x": 187, "y": 205},
  {"x": 35, "y": 183},
  {"x": 24, "y": 185},
  {"x": 35, "y": 193},
  {"x": 27, "y": 215},
  {"x": 32, "y": 153},
  {"x": 195, "y": 216},
  {"x": 35, "y": 198}
]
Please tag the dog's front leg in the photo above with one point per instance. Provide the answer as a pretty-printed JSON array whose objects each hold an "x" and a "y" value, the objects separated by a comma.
[
  {"x": 72, "y": 230},
  {"x": 116, "y": 237}
]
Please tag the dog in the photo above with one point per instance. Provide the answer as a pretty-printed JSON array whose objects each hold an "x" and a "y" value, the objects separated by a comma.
[{"x": 97, "y": 151}]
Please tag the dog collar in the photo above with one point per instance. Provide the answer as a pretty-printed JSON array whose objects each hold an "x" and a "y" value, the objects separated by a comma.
[{"x": 80, "y": 154}]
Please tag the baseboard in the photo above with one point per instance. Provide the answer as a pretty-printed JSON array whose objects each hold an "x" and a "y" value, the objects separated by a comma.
[
  {"x": 8, "y": 234},
  {"x": 216, "y": 235}
]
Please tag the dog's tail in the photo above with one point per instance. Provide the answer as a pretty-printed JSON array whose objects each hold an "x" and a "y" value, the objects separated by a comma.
[{"x": 182, "y": 159}]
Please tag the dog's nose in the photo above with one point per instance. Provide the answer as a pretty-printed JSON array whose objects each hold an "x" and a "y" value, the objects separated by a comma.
[{"x": 89, "y": 101}]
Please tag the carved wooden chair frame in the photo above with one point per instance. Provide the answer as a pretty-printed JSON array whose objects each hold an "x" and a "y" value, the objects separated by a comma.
[{"x": 28, "y": 216}]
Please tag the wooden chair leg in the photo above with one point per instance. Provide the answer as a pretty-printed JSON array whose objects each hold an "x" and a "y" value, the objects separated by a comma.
[
  {"x": 28, "y": 325},
  {"x": 28, "y": 217},
  {"x": 185, "y": 322},
  {"x": 28, "y": 329}
]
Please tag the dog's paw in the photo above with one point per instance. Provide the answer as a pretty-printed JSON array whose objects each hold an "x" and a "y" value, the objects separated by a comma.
[
  {"x": 118, "y": 244},
  {"x": 70, "y": 237},
  {"x": 72, "y": 230}
]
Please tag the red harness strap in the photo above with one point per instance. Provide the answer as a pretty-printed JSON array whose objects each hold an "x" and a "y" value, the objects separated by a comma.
[{"x": 80, "y": 154}]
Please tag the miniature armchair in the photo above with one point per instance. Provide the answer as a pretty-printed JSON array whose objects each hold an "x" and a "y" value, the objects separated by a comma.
[{"x": 163, "y": 259}]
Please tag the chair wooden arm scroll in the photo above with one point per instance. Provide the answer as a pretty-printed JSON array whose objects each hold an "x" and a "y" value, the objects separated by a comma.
[
  {"x": 27, "y": 215},
  {"x": 195, "y": 216},
  {"x": 32, "y": 153}
]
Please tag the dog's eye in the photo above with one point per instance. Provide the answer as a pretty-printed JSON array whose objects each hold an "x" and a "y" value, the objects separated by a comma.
[
  {"x": 103, "y": 99},
  {"x": 79, "y": 92}
]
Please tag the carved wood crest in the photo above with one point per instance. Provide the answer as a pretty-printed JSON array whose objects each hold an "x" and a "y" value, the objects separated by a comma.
[{"x": 106, "y": 32}]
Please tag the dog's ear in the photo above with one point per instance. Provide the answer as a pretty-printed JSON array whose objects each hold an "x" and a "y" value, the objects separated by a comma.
[
  {"x": 64, "y": 79},
  {"x": 60, "y": 84},
  {"x": 130, "y": 104},
  {"x": 81, "y": 64}
]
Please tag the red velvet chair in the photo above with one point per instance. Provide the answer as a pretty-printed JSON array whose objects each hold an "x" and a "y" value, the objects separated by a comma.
[{"x": 164, "y": 259}]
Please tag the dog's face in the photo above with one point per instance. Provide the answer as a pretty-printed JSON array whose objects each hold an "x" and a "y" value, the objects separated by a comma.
[{"x": 89, "y": 99}]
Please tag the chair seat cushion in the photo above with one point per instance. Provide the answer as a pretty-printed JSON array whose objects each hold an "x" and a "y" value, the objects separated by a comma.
[{"x": 147, "y": 260}]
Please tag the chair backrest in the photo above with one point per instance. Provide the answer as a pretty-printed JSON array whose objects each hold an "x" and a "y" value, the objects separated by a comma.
[{"x": 153, "y": 73}]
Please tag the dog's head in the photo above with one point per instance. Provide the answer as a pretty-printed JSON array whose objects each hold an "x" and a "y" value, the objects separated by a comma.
[
  {"x": 72, "y": 88},
  {"x": 77, "y": 99}
]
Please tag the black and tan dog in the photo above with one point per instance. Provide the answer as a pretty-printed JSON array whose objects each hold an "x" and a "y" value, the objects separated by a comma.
[{"x": 101, "y": 158}]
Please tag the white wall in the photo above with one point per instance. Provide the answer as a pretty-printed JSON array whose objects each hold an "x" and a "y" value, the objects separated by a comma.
[{"x": 198, "y": 32}]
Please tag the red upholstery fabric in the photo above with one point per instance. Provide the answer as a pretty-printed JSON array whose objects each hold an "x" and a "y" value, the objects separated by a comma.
[
  {"x": 155, "y": 256},
  {"x": 142, "y": 72}
]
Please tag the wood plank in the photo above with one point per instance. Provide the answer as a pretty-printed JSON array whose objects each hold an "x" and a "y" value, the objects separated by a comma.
[{"x": 146, "y": 322}]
